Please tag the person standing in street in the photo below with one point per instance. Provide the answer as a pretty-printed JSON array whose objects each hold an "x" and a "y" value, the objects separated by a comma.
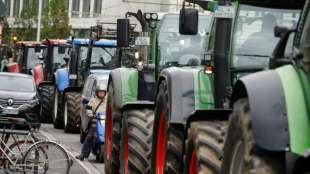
[{"x": 96, "y": 105}]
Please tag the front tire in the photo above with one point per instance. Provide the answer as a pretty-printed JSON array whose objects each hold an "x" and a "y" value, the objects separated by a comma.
[
  {"x": 136, "y": 141},
  {"x": 46, "y": 111},
  {"x": 204, "y": 147},
  {"x": 168, "y": 140},
  {"x": 112, "y": 135},
  {"x": 241, "y": 155},
  {"x": 57, "y": 112},
  {"x": 71, "y": 113}
]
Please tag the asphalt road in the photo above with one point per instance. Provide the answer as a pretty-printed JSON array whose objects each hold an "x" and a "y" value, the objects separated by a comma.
[{"x": 72, "y": 144}]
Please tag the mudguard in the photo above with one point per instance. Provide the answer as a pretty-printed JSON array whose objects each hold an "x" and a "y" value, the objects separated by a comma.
[
  {"x": 72, "y": 89},
  {"x": 125, "y": 84},
  {"x": 138, "y": 105},
  {"x": 45, "y": 83},
  {"x": 189, "y": 89},
  {"x": 267, "y": 108},
  {"x": 62, "y": 79},
  {"x": 38, "y": 73}
]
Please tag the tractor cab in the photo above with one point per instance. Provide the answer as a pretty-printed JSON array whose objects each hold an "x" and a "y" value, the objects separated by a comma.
[
  {"x": 55, "y": 56},
  {"x": 28, "y": 59},
  {"x": 180, "y": 50},
  {"x": 28, "y": 54}
]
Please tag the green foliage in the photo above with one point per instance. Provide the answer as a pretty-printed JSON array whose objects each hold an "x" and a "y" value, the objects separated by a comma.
[
  {"x": 26, "y": 21},
  {"x": 55, "y": 20}
]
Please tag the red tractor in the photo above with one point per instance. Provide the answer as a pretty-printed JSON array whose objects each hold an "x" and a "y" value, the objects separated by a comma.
[
  {"x": 28, "y": 60},
  {"x": 55, "y": 57}
]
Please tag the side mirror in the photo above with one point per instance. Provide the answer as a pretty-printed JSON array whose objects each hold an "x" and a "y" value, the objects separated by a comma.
[
  {"x": 61, "y": 50},
  {"x": 37, "y": 49},
  {"x": 280, "y": 31},
  {"x": 278, "y": 56},
  {"x": 188, "y": 21},
  {"x": 123, "y": 32}
]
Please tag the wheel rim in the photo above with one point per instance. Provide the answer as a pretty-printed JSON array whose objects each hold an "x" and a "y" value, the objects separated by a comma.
[
  {"x": 108, "y": 131},
  {"x": 125, "y": 153},
  {"x": 55, "y": 104},
  {"x": 193, "y": 162},
  {"x": 237, "y": 165},
  {"x": 66, "y": 114},
  {"x": 161, "y": 144}
]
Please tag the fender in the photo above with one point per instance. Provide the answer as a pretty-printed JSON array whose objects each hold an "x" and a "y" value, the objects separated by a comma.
[
  {"x": 42, "y": 83},
  {"x": 62, "y": 79},
  {"x": 38, "y": 73},
  {"x": 267, "y": 108},
  {"x": 125, "y": 84},
  {"x": 138, "y": 105},
  {"x": 187, "y": 92},
  {"x": 209, "y": 114},
  {"x": 72, "y": 89}
]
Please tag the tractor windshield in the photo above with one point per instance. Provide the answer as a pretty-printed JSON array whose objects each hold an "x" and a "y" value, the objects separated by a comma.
[
  {"x": 102, "y": 57},
  {"x": 181, "y": 50},
  {"x": 254, "y": 38},
  {"x": 57, "y": 57},
  {"x": 32, "y": 57}
]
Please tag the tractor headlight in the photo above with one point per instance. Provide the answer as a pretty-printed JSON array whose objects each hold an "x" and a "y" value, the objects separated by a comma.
[
  {"x": 154, "y": 16},
  {"x": 148, "y": 16}
]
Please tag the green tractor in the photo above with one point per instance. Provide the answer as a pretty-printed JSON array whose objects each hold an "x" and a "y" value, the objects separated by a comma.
[
  {"x": 269, "y": 125},
  {"x": 130, "y": 96},
  {"x": 193, "y": 104},
  {"x": 131, "y": 88}
]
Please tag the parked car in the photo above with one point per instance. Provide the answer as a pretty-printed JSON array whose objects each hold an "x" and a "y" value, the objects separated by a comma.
[
  {"x": 18, "y": 97},
  {"x": 98, "y": 76}
]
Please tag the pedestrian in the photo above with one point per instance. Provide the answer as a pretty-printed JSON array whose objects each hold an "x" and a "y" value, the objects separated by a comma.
[{"x": 96, "y": 104}]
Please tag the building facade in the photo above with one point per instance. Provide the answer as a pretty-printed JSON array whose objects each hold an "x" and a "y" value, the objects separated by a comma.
[{"x": 85, "y": 13}]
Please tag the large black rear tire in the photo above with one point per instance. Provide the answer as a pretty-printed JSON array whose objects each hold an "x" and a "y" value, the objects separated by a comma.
[
  {"x": 112, "y": 134},
  {"x": 136, "y": 141},
  {"x": 241, "y": 155},
  {"x": 46, "y": 96},
  {"x": 71, "y": 112},
  {"x": 166, "y": 138},
  {"x": 204, "y": 147},
  {"x": 58, "y": 110}
]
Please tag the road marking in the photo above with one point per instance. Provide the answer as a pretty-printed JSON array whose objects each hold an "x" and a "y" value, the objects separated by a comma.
[{"x": 85, "y": 164}]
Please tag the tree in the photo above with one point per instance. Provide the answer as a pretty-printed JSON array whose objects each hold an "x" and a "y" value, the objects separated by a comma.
[
  {"x": 26, "y": 22},
  {"x": 55, "y": 20}
]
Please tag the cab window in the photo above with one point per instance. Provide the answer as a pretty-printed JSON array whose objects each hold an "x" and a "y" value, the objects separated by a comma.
[{"x": 305, "y": 43}]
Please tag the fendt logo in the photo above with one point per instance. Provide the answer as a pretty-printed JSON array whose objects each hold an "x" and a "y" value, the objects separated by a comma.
[{"x": 10, "y": 102}]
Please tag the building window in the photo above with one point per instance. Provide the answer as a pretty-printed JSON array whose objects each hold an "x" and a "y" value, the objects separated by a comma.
[
  {"x": 97, "y": 7},
  {"x": 7, "y": 7},
  {"x": 86, "y": 8},
  {"x": 75, "y": 8}
]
